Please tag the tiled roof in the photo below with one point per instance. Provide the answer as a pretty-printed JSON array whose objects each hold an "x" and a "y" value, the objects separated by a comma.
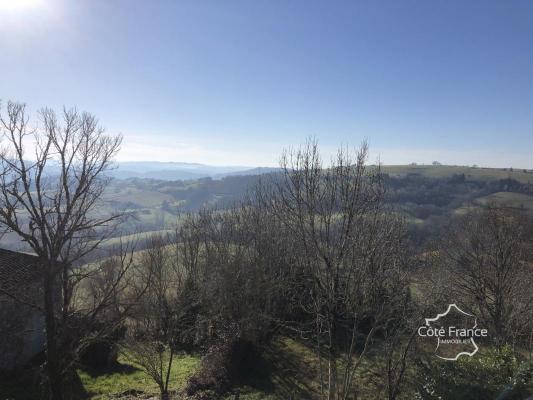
[{"x": 20, "y": 275}]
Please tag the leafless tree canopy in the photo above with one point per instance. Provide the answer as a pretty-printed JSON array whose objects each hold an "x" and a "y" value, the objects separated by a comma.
[
  {"x": 52, "y": 177},
  {"x": 488, "y": 255},
  {"x": 350, "y": 254}
]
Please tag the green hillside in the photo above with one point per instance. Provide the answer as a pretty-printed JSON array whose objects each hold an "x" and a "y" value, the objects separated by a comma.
[{"x": 446, "y": 171}]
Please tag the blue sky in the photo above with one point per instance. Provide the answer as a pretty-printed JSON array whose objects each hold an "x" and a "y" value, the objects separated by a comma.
[{"x": 235, "y": 82}]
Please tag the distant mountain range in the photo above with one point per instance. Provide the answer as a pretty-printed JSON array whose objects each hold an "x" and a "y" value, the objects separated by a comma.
[{"x": 172, "y": 171}]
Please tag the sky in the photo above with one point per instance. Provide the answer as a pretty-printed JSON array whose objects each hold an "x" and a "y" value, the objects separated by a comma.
[{"x": 226, "y": 82}]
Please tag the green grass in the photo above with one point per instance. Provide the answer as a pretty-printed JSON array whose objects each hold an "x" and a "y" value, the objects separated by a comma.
[
  {"x": 142, "y": 198},
  {"x": 134, "y": 237},
  {"x": 446, "y": 171},
  {"x": 130, "y": 377},
  {"x": 518, "y": 201},
  {"x": 125, "y": 377},
  {"x": 286, "y": 368},
  {"x": 515, "y": 200},
  {"x": 289, "y": 369}
]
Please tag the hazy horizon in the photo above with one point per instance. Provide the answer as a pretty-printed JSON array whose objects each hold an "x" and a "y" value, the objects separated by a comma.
[
  {"x": 236, "y": 83},
  {"x": 238, "y": 168}
]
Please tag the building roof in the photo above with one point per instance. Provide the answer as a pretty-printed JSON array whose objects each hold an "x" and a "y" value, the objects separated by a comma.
[
  {"x": 21, "y": 297},
  {"x": 18, "y": 273}
]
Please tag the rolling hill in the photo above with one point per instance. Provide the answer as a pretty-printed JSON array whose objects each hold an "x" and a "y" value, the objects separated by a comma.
[{"x": 172, "y": 171}]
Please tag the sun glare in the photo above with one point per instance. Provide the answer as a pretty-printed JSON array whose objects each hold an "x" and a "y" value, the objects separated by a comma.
[{"x": 14, "y": 5}]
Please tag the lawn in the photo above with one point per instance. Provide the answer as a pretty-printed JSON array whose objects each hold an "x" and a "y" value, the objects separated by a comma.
[
  {"x": 128, "y": 377},
  {"x": 286, "y": 368}
]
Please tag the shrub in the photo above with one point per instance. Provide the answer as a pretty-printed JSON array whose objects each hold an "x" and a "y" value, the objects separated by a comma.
[{"x": 495, "y": 374}]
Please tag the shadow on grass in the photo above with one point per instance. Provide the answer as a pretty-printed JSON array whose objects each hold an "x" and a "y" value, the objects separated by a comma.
[
  {"x": 256, "y": 371},
  {"x": 115, "y": 368},
  {"x": 290, "y": 377},
  {"x": 275, "y": 371},
  {"x": 25, "y": 384},
  {"x": 21, "y": 384}
]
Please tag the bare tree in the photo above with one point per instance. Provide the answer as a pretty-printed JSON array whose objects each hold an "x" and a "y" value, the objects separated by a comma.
[
  {"x": 236, "y": 257},
  {"x": 52, "y": 178},
  {"x": 398, "y": 346},
  {"x": 488, "y": 256},
  {"x": 154, "y": 327},
  {"x": 351, "y": 254},
  {"x": 101, "y": 302}
]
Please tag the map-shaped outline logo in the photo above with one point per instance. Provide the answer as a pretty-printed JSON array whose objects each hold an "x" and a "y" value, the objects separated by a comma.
[{"x": 467, "y": 353}]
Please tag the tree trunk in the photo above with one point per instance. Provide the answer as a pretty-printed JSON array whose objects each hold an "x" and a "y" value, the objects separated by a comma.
[
  {"x": 332, "y": 378},
  {"x": 53, "y": 367},
  {"x": 332, "y": 364}
]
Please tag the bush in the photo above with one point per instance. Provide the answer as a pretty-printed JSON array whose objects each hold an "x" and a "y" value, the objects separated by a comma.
[
  {"x": 99, "y": 355},
  {"x": 220, "y": 367},
  {"x": 496, "y": 374}
]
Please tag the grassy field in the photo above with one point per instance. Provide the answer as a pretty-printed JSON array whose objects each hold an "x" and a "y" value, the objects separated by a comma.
[
  {"x": 130, "y": 194},
  {"x": 518, "y": 201},
  {"x": 128, "y": 377},
  {"x": 135, "y": 237},
  {"x": 515, "y": 200},
  {"x": 444, "y": 171}
]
